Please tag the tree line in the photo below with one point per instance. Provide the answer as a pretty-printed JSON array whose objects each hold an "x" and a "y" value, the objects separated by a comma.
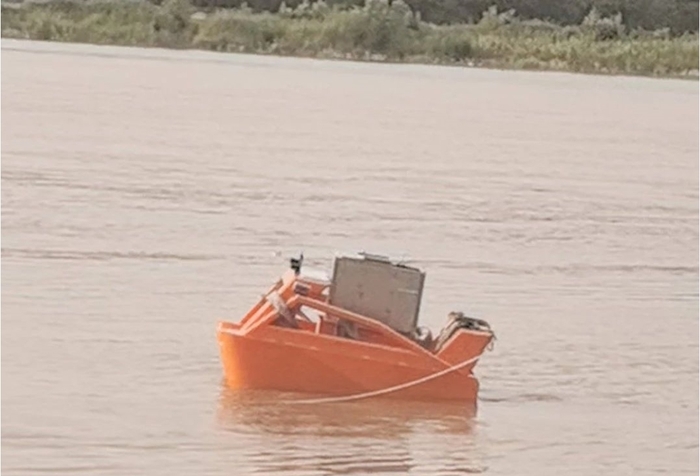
[{"x": 678, "y": 16}]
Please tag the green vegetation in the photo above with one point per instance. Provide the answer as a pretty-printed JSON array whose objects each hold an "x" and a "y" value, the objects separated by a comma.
[
  {"x": 376, "y": 31},
  {"x": 679, "y": 16}
]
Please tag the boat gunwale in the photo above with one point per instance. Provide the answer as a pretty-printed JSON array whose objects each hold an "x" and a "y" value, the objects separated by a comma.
[
  {"x": 258, "y": 336},
  {"x": 236, "y": 329}
]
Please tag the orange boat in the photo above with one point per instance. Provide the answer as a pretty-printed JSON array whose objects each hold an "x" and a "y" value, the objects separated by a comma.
[{"x": 353, "y": 336}]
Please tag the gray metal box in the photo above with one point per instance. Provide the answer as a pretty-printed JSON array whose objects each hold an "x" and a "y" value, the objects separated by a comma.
[{"x": 375, "y": 287}]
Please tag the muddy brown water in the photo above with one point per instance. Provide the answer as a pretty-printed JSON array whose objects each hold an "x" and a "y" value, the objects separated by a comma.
[{"x": 148, "y": 193}]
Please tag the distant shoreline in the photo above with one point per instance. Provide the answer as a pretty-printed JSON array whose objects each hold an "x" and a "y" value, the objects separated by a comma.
[{"x": 376, "y": 33}]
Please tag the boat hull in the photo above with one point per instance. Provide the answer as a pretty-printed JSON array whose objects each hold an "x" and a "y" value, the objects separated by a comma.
[{"x": 293, "y": 361}]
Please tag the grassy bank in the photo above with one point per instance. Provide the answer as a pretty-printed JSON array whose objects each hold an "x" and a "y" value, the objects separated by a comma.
[{"x": 376, "y": 31}]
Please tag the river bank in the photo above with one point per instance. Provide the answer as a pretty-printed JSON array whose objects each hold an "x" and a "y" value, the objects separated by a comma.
[{"x": 376, "y": 32}]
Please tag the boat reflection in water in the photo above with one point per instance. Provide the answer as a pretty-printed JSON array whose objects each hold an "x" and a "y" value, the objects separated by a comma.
[
  {"x": 373, "y": 436},
  {"x": 276, "y": 412}
]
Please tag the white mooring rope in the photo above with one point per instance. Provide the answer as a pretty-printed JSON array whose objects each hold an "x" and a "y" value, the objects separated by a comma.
[{"x": 388, "y": 390}]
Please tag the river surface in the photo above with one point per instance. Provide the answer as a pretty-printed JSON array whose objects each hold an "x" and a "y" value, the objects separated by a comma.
[{"x": 146, "y": 194}]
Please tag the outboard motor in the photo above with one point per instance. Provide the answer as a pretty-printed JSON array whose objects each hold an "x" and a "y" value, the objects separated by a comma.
[{"x": 457, "y": 321}]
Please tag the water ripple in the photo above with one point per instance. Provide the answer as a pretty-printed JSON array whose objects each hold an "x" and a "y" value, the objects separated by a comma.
[{"x": 43, "y": 254}]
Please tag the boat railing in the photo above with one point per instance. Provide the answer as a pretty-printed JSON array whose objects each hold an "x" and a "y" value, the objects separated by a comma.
[{"x": 292, "y": 305}]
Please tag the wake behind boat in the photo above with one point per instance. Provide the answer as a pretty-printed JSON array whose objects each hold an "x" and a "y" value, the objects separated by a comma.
[{"x": 353, "y": 336}]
